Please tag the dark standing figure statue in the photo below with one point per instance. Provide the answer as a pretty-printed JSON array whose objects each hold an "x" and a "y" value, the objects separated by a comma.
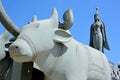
[{"x": 98, "y": 38}]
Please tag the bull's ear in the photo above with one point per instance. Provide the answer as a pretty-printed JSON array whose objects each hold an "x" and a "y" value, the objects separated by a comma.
[
  {"x": 62, "y": 36},
  {"x": 54, "y": 18}
]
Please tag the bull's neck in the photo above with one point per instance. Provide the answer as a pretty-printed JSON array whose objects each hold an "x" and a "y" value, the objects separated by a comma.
[{"x": 48, "y": 60}]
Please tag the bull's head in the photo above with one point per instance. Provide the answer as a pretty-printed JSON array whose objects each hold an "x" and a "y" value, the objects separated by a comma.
[{"x": 39, "y": 37}]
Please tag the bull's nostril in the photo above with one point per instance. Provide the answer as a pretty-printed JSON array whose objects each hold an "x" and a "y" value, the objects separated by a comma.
[{"x": 16, "y": 47}]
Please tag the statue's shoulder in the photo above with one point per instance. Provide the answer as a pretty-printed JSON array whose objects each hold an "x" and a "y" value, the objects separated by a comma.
[
  {"x": 92, "y": 24},
  {"x": 102, "y": 23}
]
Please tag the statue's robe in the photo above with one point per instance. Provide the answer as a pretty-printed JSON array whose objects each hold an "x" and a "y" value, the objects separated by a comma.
[{"x": 105, "y": 42}]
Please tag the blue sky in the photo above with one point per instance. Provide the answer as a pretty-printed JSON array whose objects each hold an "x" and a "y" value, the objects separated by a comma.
[{"x": 22, "y": 11}]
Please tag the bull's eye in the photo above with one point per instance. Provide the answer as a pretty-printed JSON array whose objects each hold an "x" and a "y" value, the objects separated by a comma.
[{"x": 37, "y": 25}]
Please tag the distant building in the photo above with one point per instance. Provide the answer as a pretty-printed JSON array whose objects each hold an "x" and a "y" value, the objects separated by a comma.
[
  {"x": 114, "y": 73},
  {"x": 118, "y": 71}
]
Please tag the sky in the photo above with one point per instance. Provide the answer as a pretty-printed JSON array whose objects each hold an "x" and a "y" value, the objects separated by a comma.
[{"x": 22, "y": 11}]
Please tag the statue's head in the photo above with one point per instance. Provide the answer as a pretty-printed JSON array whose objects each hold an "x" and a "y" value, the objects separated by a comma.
[
  {"x": 96, "y": 15},
  {"x": 37, "y": 37}
]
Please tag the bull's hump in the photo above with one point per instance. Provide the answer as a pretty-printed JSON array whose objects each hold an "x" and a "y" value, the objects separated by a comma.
[{"x": 97, "y": 61}]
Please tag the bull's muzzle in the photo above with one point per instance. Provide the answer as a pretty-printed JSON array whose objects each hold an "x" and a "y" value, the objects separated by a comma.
[{"x": 21, "y": 51}]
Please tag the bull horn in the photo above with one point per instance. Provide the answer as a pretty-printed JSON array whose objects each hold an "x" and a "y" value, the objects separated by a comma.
[
  {"x": 68, "y": 20},
  {"x": 34, "y": 18},
  {"x": 7, "y": 22}
]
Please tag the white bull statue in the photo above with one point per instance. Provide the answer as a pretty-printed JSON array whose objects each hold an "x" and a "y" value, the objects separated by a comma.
[
  {"x": 4, "y": 37},
  {"x": 56, "y": 52}
]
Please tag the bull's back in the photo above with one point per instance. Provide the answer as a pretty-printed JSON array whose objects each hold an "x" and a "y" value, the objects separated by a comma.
[
  {"x": 97, "y": 61},
  {"x": 98, "y": 65}
]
